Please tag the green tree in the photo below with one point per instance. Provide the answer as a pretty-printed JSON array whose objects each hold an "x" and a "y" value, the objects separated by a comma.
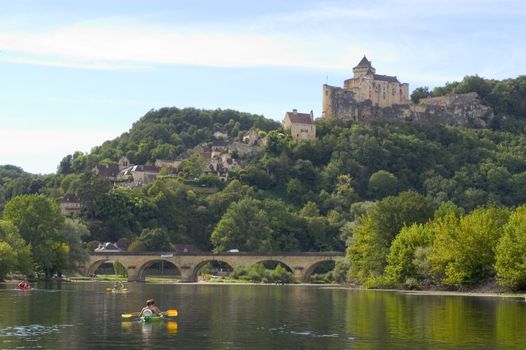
[
  {"x": 155, "y": 240},
  {"x": 193, "y": 166},
  {"x": 244, "y": 226},
  {"x": 19, "y": 257},
  {"x": 73, "y": 231},
  {"x": 401, "y": 267},
  {"x": 511, "y": 251},
  {"x": 90, "y": 188},
  {"x": 382, "y": 183},
  {"x": 420, "y": 93},
  {"x": 39, "y": 222},
  {"x": 464, "y": 253},
  {"x": 372, "y": 235}
]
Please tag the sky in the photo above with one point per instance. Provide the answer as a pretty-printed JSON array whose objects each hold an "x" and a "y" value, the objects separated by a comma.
[{"x": 74, "y": 74}]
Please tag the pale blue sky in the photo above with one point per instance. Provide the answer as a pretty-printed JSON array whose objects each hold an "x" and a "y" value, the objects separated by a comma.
[{"x": 76, "y": 73}]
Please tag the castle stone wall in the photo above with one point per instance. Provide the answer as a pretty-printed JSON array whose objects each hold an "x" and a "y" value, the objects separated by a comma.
[{"x": 462, "y": 110}]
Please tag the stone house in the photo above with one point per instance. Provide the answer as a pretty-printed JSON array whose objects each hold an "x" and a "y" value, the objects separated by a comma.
[
  {"x": 301, "y": 125},
  {"x": 139, "y": 175},
  {"x": 70, "y": 205}
]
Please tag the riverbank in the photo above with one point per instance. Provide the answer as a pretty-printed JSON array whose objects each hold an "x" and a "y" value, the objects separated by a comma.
[
  {"x": 484, "y": 291},
  {"x": 490, "y": 294}
]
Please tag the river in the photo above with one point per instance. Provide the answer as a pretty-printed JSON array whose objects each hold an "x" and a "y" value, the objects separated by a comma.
[{"x": 82, "y": 315}]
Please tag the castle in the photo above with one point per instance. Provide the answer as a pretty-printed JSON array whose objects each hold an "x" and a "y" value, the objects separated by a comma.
[
  {"x": 370, "y": 97},
  {"x": 382, "y": 90}
]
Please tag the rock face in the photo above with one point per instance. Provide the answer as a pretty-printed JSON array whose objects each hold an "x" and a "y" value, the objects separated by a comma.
[{"x": 463, "y": 110}]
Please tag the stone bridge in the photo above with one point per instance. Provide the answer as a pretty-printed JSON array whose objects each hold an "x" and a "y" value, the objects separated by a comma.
[{"x": 302, "y": 265}]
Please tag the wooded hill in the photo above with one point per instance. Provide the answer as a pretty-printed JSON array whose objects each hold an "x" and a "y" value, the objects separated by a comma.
[{"x": 312, "y": 195}]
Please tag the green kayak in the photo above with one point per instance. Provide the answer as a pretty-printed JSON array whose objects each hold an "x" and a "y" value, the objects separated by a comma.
[{"x": 150, "y": 319}]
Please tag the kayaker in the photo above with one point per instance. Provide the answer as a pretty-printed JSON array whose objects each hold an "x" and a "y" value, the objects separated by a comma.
[
  {"x": 24, "y": 284},
  {"x": 150, "y": 309},
  {"x": 118, "y": 285}
]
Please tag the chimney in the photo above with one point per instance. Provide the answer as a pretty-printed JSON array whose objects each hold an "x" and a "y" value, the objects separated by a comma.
[{"x": 295, "y": 111}]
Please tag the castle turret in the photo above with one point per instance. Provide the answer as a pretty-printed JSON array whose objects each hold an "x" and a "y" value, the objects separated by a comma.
[{"x": 363, "y": 68}]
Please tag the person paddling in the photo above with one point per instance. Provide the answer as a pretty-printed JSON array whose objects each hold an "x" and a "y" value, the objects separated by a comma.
[
  {"x": 118, "y": 286},
  {"x": 23, "y": 285},
  {"x": 150, "y": 309}
]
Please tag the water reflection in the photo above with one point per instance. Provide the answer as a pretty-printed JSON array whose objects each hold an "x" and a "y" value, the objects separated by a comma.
[
  {"x": 171, "y": 327},
  {"x": 83, "y": 316}
]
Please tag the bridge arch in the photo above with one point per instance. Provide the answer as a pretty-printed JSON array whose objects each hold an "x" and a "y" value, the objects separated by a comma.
[
  {"x": 93, "y": 267},
  {"x": 308, "y": 271},
  {"x": 195, "y": 271},
  {"x": 141, "y": 270}
]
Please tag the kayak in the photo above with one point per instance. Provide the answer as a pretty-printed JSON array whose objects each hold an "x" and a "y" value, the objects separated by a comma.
[
  {"x": 151, "y": 319},
  {"x": 124, "y": 290}
]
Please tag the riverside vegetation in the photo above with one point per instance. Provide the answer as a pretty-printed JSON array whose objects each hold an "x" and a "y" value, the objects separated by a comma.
[{"x": 414, "y": 206}]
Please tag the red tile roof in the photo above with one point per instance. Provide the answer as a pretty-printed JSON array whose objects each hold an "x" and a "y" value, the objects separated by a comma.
[{"x": 303, "y": 118}]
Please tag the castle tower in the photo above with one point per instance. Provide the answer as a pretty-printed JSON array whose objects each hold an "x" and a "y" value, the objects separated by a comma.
[
  {"x": 363, "y": 68},
  {"x": 381, "y": 90}
]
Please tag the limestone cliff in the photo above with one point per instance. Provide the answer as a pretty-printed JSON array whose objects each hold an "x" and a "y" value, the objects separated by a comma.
[{"x": 462, "y": 110}]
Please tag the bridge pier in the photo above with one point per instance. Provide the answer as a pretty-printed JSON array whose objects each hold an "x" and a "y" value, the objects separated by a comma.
[
  {"x": 299, "y": 274},
  {"x": 133, "y": 274},
  {"x": 187, "y": 274}
]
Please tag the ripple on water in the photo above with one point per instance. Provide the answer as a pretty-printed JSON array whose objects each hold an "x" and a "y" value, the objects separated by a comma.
[
  {"x": 305, "y": 333},
  {"x": 31, "y": 330}
]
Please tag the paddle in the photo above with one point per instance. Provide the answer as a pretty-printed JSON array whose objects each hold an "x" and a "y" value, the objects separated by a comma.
[
  {"x": 117, "y": 290},
  {"x": 170, "y": 313}
]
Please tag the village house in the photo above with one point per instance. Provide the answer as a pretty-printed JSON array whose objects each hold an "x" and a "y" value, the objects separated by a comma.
[
  {"x": 301, "y": 125},
  {"x": 139, "y": 175},
  {"x": 70, "y": 205}
]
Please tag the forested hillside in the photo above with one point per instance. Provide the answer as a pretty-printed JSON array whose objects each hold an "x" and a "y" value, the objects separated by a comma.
[{"x": 386, "y": 192}]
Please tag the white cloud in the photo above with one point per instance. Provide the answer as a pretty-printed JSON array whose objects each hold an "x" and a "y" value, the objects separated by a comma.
[
  {"x": 123, "y": 47},
  {"x": 324, "y": 35},
  {"x": 40, "y": 151}
]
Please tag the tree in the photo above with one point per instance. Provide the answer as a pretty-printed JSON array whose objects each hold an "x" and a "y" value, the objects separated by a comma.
[
  {"x": 464, "y": 249},
  {"x": 382, "y": 183},
  {"x": 366, "y": 253},
  {"x": 192, "y": 167},
  {"x": 39, "y": 222},
  {"x": 155, "y": 240},
  {"x": 91, "y": 187},
  {"x": 64, "y": 168},
  {"x": 19, "y": 256},
  {"x": 373, "y": 233},
  {"x": 401, "y": 267},
  {"x": 420, "y": 93},
  {"x": 511, "y": 251},
  {"x": 73, "y": 232},
  {"x": 244, "y": 226}
]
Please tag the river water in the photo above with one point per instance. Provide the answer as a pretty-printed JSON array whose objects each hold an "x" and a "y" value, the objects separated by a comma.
[{"x": 82, "y": 315}]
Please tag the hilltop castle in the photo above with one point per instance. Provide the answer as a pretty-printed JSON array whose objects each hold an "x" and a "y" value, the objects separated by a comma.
[
  {"x": 382, "y": 90},
  {"x": 370, "y": 97}
]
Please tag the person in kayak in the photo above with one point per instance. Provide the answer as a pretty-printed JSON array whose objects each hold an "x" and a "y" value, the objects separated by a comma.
[
  {"x": 23, "y": 285},
  {"x": 118, "y": 285},
  {"x": 150, "y": 309}
]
